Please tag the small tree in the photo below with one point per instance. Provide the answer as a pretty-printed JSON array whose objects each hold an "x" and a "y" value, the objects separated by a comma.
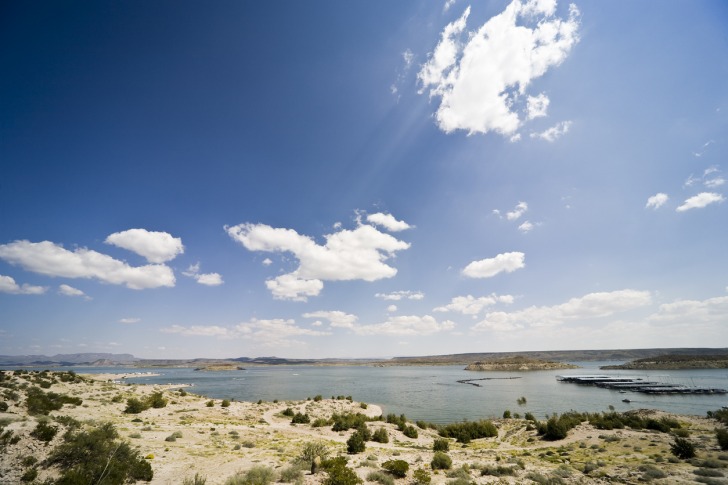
[
  {"x": 722, "y": 435},
  {"x": 380, "y": 435},
  {"x": 156, "y": 400},
  {"x": 682, "y": 448},
  {"x": 355, "y": 444},
  {"x": 135, "y": 406},
  {"x": 507, "y": 414},
  {"x": 441, "y": 444},
  {"x": 398, "y": 468},
  {"x": 441, "y": 461}
]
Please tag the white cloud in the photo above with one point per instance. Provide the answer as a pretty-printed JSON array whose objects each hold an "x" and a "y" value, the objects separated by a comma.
[
  {"x": 691, "y": 313},
  {"x": 486, "y": 268},
  {"x": 53, "y": 260},
  {"x": 290, "y": 287},
  {"x": 388, "y": 222},
  {"x": 267, "y": 262},
  {"x": 274, "y": 333},
  {"x": 592, "y": 305},
  {"x": 156, "y": 247},
  {"x": 482, "y": 76},
  {"x": 516, "y": 213},
  {"x": 358, "y": 254},
  {"x": 68, "y": 290},
  {"x": 408, "y": 57},
  {"x": 701, "y": 200},
  {"x": 537, "y": 106},
  {"x": 657, "y": 201},
  {"x": 207, "y": 279},
  {"x": 8, "y": 285},
  {"x": 714, "y": 182},
  {"x": 198, "y": 330},
  {"x": 469, "y": 305},
  {"x": 391, "y": 308},
  {"x": 448, "y": 4},
  {"x": 526, "y": 227},
  {"x": 401, "y": 295},
  {"x": 553, "y": 133},
  {"x": 406, "y": 325},
  {"x": 335, "y": 318},
  {"x": 130, "y": 320}
]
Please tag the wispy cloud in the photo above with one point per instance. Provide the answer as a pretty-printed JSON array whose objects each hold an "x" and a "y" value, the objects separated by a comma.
[
  {"x": 336, "y": 318},
  {"x": 656, "y": 201},
  {"x": 487, "y": 268},
  {"x": 8, "y": 285},
  {"x": 207, "y": 279},
  {"x": 700, "y": 201},
  {"x": 67, "y": 290},
  {"x": 482, "y": 76},
  {"x": 469, "y": 305},
  {"x": 129, "y": 320},
  {"x": 401, "y": 295},
  {"x": 406, "y": 325},
  {"x": 553, "y": 133},
  {"x": 592, "y": 305}
]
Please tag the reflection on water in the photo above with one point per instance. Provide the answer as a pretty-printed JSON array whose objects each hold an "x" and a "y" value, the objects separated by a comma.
[{"x": 432, "y": 393}]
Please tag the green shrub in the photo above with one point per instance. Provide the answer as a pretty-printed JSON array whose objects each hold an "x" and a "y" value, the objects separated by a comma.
[
  {"x": 258, "y": 475},
  {"x": 380, "y": 477},
  {"x": 197, "y": 480},
  {"x": 292, "y": 474},
  {"x": 707, "y": 472},
  {"x": 529, "y": 417},
  {"x": 498, "y": 471},
  {"x": 507, "y": 414},
  {"x": 39, "y": 402},
  {"x": 30, "y": 475},
  {"x": 44, "y": 432},
  {"x": 211, "y": 403},
  {"x": 651, "y": 472},
  {"x": 441, "y": 461},
  {"x": 398, "y": 468},
  {"x": 410, "y": 432},
  {"x": 135, "y": 406},
  {"x": 422, "y": 477},
  {"x": 320, "y": 423},
  {"x": 722, "y": 435},
  {"x": 311, "y": 454},
  {"x": 317, "y": 398},
  {"x": 225, "y": 403},
  {"x": 299, "y": 418},
  {"x": 682, "y": 448},
  {"x": 470, "y": 430},
  {"x": 380, "y": 435},
  {"x": 288, "y": 412},
  {"x": 156, "y": 400},
  {"x": 344, "y": 422},
  {"x": 441, "y": 444},
  {"x": 355, "y": 444},
  {"x": 96, "y": 454},
  {"x": 29, "y": 461},
  {"x": 339, "y": 473}
]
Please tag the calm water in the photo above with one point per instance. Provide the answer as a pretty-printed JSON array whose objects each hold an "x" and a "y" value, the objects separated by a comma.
[{"x": 432, "y": 393}]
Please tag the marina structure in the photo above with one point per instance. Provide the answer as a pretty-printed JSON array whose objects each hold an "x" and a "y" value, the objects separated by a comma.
[{"x": 637, "y": 384}]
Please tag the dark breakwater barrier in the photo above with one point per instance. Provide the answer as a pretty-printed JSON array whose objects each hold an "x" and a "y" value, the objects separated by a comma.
[{"x": 636, "y": 384}]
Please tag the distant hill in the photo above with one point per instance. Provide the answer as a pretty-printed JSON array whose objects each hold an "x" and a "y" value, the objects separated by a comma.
[
  {"x": 556, "y": 355},
  {"x": 68, "y": 359}
]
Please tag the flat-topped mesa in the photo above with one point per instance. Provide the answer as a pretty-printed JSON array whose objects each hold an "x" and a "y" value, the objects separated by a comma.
[
  {"x": 675, "y": 362},
  {"x": 518, "y": 364}
]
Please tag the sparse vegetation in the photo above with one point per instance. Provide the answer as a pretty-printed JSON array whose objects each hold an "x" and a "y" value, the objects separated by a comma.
[
  {"x": 682, "y": 448},
  {"x": 398, "y": 468},
  {"x": 441, "y": 461},
  {"x": 470, "y": 430}
]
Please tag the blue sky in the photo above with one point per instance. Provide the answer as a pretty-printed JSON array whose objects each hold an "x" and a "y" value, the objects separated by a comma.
[{"x": 362, "y": 179}]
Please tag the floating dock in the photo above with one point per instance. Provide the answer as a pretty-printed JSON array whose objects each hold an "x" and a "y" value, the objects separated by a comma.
[{"x": 637, "y": 384}]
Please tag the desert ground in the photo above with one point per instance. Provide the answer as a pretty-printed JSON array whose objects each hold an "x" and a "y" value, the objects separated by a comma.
[{"x": 196, "y": 436}]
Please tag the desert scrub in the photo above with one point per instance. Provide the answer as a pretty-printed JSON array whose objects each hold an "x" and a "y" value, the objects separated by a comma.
[
  {"x": 682, "y": 448},
  {"x": 300, "y": 418},
  {"x": 39, "y": 402},
  {"x": 421, "y": 477},
  {"x": 44, "y": 431},
  {"x": 356, "y": 443},
  {"x": 380, "y": 435},
  {"x": 468, "y": 431},
  {"x": 312, "y": 454},
  {"x": 498, "y": 471},
  {"x": 196, "y": 480},
  {"x": 441, "y": 444},
  {"x": 293, "y": 474},
  {"x": 96, "y": 454},
  {"x": 441, "y": 461},
  {"x": 258, "y": 475},
  {"x": 398, "y": 468},
  {"x": 338, "y": 473},
  {"x": 225, "y": 403},
  {"x": 174, "y": 436},
  {"x": 380, "y": 477}
]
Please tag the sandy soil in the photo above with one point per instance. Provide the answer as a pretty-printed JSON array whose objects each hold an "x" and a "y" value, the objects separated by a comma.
[{"x": 218, "y": 441}]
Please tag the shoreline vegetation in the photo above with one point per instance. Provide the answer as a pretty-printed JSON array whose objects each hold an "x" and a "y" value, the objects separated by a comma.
[
  {"x": 518, "y": 363},
  {"x": 674, "y": 362},
  {"x": 65, "y": 428}
]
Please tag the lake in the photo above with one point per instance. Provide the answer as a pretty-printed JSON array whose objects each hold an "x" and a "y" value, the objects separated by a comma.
[{"x": 432, "y": 393}]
